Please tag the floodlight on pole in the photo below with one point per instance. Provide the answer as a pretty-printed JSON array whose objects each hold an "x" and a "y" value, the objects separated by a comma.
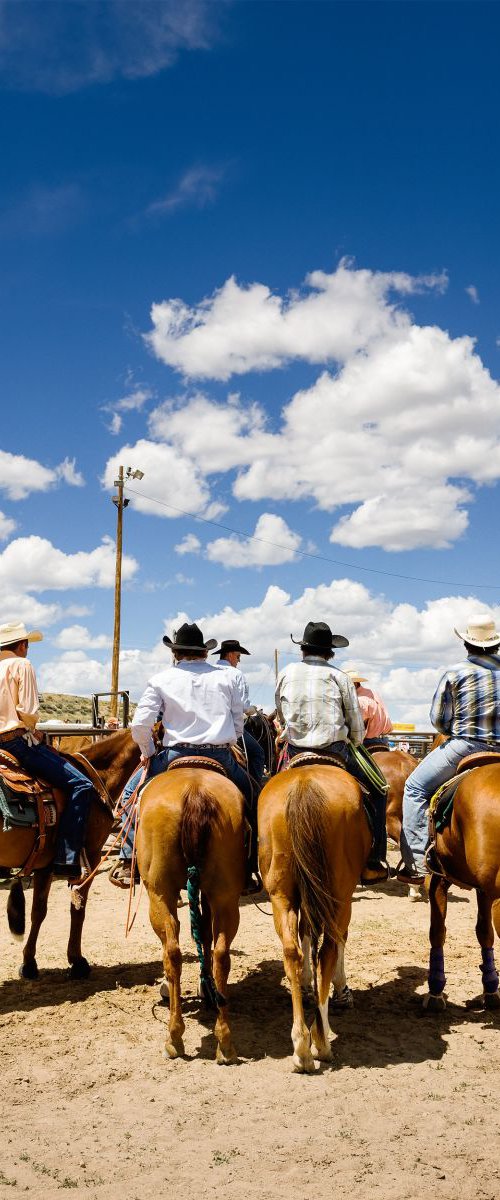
[{"x": 121, "y": 502}]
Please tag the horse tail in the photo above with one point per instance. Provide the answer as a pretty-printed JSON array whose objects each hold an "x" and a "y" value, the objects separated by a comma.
[
  {"x": 16, "y": 909},
  {"x": 200, "y": 817},
  {"x": 306, "y": 818}
]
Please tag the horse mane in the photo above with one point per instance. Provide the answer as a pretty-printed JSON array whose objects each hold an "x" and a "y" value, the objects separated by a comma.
[{"x": 305, "y": 814}]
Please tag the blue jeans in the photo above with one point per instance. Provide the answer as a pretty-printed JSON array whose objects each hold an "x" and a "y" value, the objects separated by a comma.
[
  {"x": 438, "y": 766},
  {"x": 160, "y": 762},
  {"x": 47, "y": 764},
  {"x": 256, "y": 758}
]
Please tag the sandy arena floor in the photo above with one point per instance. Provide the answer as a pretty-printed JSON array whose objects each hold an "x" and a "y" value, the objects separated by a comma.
[{"x": 409, "y": 1108}]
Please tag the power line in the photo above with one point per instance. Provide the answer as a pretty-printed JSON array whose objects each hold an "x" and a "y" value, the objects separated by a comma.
[{"x": 336, "y": 562}]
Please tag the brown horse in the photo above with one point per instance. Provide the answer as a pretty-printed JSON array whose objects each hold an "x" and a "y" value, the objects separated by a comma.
[
  {"x": 191, "y": 831},
  {"x": 114, "y": 759},
  {"x": 314, "y": 841},
  {"x": 396, "y": 765},
  {"x": 469, "y": 851}
]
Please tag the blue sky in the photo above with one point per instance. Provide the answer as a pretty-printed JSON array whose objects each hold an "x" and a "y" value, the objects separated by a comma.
[{"x": 253, "y": 250}]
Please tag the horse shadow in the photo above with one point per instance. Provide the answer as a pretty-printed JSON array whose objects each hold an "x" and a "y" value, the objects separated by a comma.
[{"x": 387, "y": 1026}]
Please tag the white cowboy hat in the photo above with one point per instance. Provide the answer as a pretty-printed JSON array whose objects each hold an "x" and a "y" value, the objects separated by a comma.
[
  {"x": 356, "y": 677},
  {"x": 480, "y": 631},
  {"x": 15, "y": 631}
]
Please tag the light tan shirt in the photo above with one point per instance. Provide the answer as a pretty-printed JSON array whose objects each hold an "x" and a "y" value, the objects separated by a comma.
[{"x": 19, "y": 703}]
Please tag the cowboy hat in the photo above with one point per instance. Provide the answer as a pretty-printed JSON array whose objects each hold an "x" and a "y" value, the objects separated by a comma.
[
  {"x": 15, "y": 631},
  {"x": 356, "y": 677},
  {"x": 318, "y": 636},
  {"x": 189, "y": 637},
  {"x": 480, "y": 631},
  {"x": 230, "y": 646}
]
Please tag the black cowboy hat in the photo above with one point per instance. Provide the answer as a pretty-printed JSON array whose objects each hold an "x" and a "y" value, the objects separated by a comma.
[
  {"x": 230, "y": 645},
  {"x": 318, "y": 636},
  {"x": 189, "y": 637}
]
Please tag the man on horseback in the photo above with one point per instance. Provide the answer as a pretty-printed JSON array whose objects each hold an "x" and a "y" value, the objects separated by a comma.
[
  {"x": 229, "y": 656},
  {"x": 466, "y": 708},
  {"x": 19, "y": 707},
  {"x": 201, "y": 710},
  {"x": 376, "y": 719},
  {"x": 317, "y": 705}
]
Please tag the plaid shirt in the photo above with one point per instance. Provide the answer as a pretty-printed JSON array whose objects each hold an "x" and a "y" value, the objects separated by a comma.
[
  {"x": 467, "y": 699},
  {"x": 317, "y": 704}
]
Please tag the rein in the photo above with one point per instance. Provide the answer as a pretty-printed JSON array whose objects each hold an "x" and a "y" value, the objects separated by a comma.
[{"x": 76, "y": 889}]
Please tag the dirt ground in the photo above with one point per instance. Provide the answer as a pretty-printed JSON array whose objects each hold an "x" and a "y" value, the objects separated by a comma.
[{"x": 408, "y": 1108}]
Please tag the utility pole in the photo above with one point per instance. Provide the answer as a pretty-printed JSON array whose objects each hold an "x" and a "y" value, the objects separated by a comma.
[
  {"x": 121, "y": 502},
  {"x": 276, "y": 664}
]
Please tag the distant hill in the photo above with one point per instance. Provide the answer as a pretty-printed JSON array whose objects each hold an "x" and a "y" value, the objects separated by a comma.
[{"x": 55, "y": 706}]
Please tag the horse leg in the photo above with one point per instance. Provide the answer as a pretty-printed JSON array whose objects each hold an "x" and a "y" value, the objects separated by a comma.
[
  {"x": 79, "y": 966},
  {"x": 321, "y": 1033},
  {"x": 486, "y": 937},
  {"x": 42, "y": 880},
  {"x": 438, "y": 900},
  {"x": 305, "y": 942},
  {"x": 286, "y": 923},
  {"x": 342, "y": 996},
  {"x": 163, "y": 917},
  {"x": 226, "y": 921}
]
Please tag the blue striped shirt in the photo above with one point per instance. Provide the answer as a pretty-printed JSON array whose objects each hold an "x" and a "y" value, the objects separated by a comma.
[{"x": 467, "y": 699}]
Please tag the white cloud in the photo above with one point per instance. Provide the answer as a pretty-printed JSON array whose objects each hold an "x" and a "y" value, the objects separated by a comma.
[
  {"x": 190, "y": 545},
  {"x": 78, "y": 637},
  {"x": 170, "y": 477},
  {"x": 20, "y": 476},
  {"x": 403, "y": 649},
  {"x": 133, "y": 401},
  {"x": 272, "y": 543},
  {"x": 241, "y": 329},
  {"x": 197, "y": 188},
  {"x": 67, "y": 471},
  {"x": 42, "y": 210},
  {"x": 395, "y": 438},
  {"x": 187, "y": 580},
  {"x": 7, "y": 526},
  {"x": 34, "y": 564},
  {"x": 115, "y": 40},
  {"x": 473, "y": 293}
]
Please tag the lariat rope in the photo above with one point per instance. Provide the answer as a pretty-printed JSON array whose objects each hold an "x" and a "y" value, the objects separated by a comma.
[
  {"x": 120, "y": 838},
  {"x": 213, "y": 997}
]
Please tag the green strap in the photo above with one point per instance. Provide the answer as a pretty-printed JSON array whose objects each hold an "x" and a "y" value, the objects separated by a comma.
[
  {"x": 368, "y": 766},
  {"x": 213, "y": 997}
]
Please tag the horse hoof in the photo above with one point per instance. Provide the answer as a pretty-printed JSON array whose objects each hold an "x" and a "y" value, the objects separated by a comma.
[
  {"x": 303, "y": 1066},
  {"x": 492, "y": 1000},
  {"x": 432, "y": 1003},
  {"x": 414, "y": 895},
  {"x": 322, "y": 1053},
  {"x": 174, "y": 1050},
  {"x": 80, "y": 969},
  {"x": 29, "y": 969},
  {"x": 226, "y": 1058},
  {"x": 342, "y": 1000}
]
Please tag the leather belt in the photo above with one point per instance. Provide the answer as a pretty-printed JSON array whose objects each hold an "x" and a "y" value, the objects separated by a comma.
[
  {"x": 198, "y": 746},
  {"x": 11, "y": 734}
]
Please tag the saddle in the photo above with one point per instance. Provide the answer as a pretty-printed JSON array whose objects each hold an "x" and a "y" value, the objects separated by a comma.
[
  {"x": 27, "y": 803},
  {"x": 480, "y": 758},
  {"x": 441, "y": 805},
  {"x": 311, "y": 758},
  {"x": 208, "y": 764}
]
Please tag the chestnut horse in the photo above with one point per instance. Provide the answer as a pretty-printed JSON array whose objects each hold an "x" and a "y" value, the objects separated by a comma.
[
  {"x": 314, "y": 841},
  {"x": 114, "y": 759},
  {"x": 191, "y": 832},
  {"x": 396, "y": 765},
  {"x": 469, "y": 851}
]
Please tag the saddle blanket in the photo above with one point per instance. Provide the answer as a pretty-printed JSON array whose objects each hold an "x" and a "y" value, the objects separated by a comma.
[{"x": 19, "y": 809}]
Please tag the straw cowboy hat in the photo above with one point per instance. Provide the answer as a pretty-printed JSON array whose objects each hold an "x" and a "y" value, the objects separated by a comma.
[
  {"x": 15, "y": 631},
  {"x": 480, "y": 631},
  {"x": 318, "y": 636},
  {"x": 230, "y": 646},
  {"x": 189, "y": 637},
  {"x": 356, "y": 677}
]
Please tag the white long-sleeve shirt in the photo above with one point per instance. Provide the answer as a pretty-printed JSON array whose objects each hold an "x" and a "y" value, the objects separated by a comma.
[
  {"x": 222, "y": 664},
  {"x": 196, "y": 703}
]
